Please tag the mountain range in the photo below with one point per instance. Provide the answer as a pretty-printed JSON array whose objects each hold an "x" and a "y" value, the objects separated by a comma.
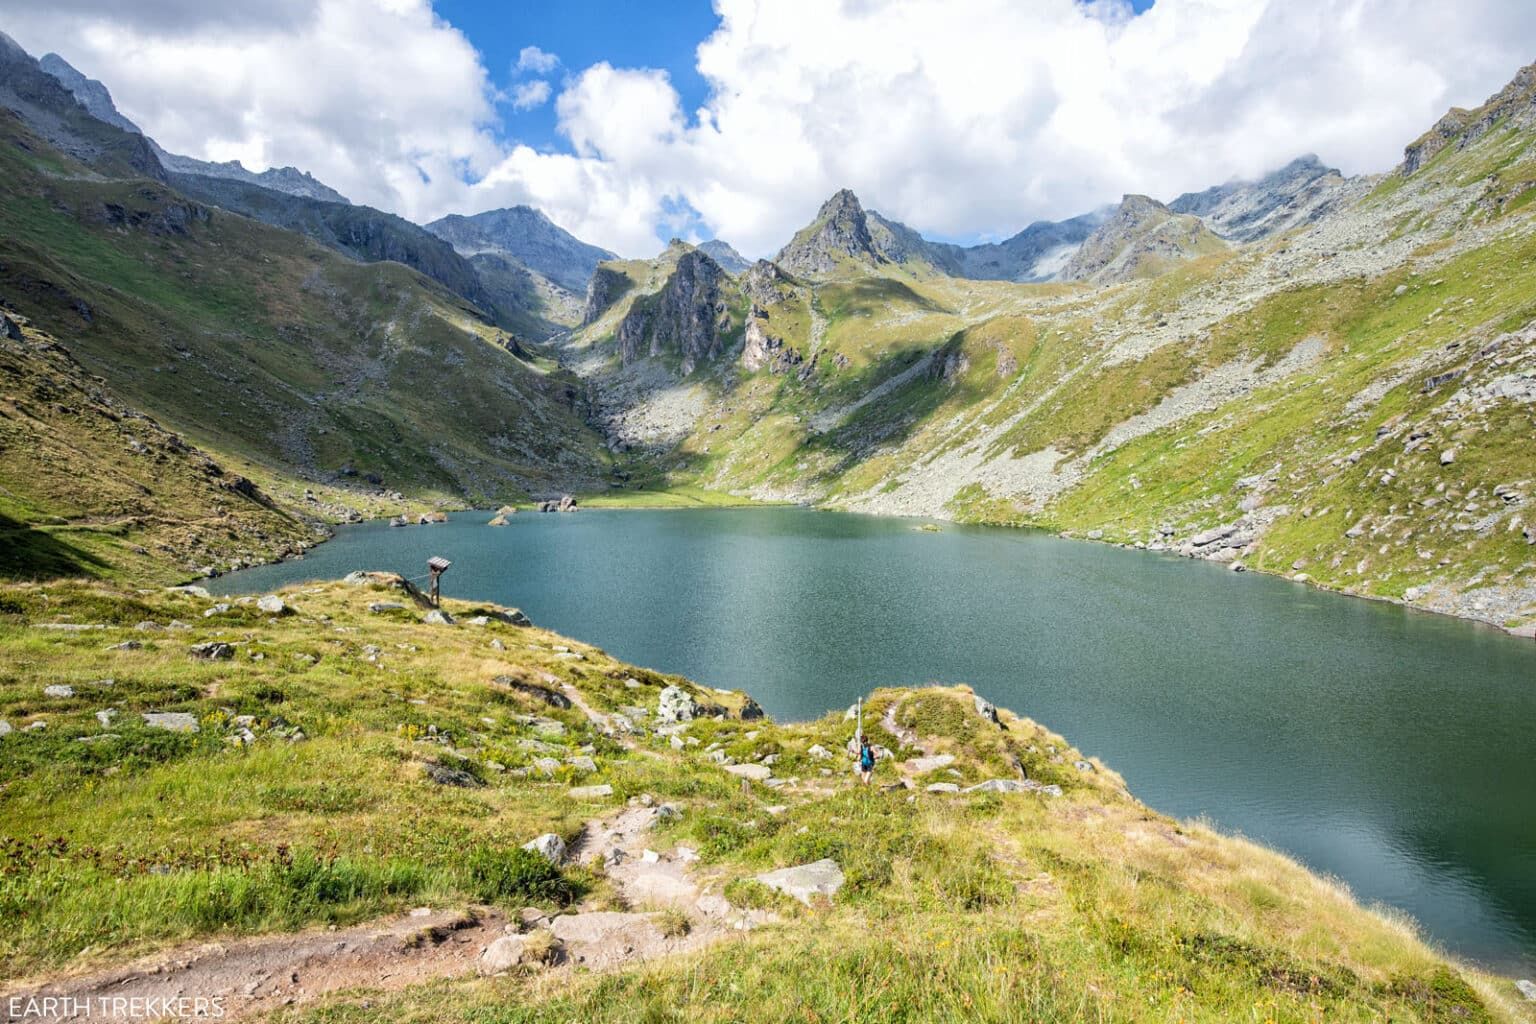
[{"x": 1321, "y": 376}]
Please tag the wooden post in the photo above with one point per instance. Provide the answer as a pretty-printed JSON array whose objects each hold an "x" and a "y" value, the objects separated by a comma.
[{"x": 437, "y": 565}]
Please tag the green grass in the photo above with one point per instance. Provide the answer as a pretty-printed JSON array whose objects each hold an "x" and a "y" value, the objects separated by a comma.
[{"x": 997, "y": 906}]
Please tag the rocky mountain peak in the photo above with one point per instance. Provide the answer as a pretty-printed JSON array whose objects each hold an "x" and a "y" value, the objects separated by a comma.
[
  {"x": 1141, "y": 234},
  {"x": 840, "y": 231},
  {"x": 90, "y": 93},
  {"x": 528, "y": 236},
  {"x": 726, "y": 255}
]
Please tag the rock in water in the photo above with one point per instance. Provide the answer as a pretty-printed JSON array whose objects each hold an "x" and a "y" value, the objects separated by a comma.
[
  {"x": 821, "y": 878},
  {"x": 549, "y": 846},
  {"x": 675, "y": 705}
]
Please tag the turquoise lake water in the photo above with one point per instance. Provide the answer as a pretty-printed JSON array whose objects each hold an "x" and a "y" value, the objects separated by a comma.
[{"x": 1393, "y": 749}]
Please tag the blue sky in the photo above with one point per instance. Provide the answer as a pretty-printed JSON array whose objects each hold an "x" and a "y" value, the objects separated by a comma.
[{"x": 581, "y": 33}]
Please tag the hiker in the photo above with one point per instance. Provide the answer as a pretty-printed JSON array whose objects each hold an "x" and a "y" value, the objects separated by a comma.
[{"x": 866, "y": 761}]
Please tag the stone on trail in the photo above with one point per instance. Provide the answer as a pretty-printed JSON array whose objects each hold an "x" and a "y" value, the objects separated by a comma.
[
  {"x": 502, "y": 955},
  {"x": 171, "y": 721},
  {"x": 58, "y": 690},
  {"x": 214, "y": 650},
  {"x": 756, "y": 772},
  {"x": 590, "y": 792},
  {"x": 931, "y": 764},
  {"x": 820, "y": 878},
  {"x": 271, "y": 604},
  {"x": 549, "y": 846}
]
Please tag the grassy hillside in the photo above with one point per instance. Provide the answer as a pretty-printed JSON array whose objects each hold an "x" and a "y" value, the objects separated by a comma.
[
  {"x": 276, "y": 355},
  {"x": 308, "y": 795}
]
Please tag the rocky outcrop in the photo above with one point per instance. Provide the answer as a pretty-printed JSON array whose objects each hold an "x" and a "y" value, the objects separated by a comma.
[
  {"x": 1515, "y": 104},
  {"x": 763, "y": 349},
  {"x": 1140, "y": 238},
  {"x": 685, "y": 318},
  {"x": 605, "y": 288}
]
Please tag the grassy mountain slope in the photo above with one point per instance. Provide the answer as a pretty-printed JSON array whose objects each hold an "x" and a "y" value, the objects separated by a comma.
[
  {"x": 90, "y": 486},
  {"x": 1346, "y": 400},
  {"x": 307, "y": 796},
  {"x": 273, "y": 352}
]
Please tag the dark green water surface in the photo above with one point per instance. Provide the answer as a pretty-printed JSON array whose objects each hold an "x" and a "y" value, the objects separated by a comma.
[{"x": 1393, "y": 749}]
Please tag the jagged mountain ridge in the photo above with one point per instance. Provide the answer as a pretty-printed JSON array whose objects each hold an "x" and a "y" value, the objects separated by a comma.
[
  {"x": 1246, "y": 211},
  {"x": 97, "y": 99}
]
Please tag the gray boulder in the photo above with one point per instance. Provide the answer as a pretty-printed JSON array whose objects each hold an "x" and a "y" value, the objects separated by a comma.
[
  {"x": 986, "y": 709},
  {"x": 943, "y": 787},
  {"x": 214, "y": 650},
  {"x": 58, "y": 690},
  {"x": 1527, "y": 988},
  {"x": 755, "y": 772},
  {"x": 590, "y": 792},
  {"x": 549, "y": 846},
  {"x": 271, "y": 604},
  {"x": 437, "y": 617},
  {"x": 807, "y": 881},
  {"x": 171, "y": 721},
  {"x": 502, "y": 955},
  {"x": 5, "y": 727},
  {"x": 675, "y": 705},
  {"x": 445, "y": 776},
  {"x": 385, "y": 606}
]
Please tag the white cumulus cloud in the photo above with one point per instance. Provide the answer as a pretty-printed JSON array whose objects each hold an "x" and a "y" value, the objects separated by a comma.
[
  {"x": 527, "y": 95},
  {"x": 539, "y": 62},
  {"x": 963, "y": 118}
]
